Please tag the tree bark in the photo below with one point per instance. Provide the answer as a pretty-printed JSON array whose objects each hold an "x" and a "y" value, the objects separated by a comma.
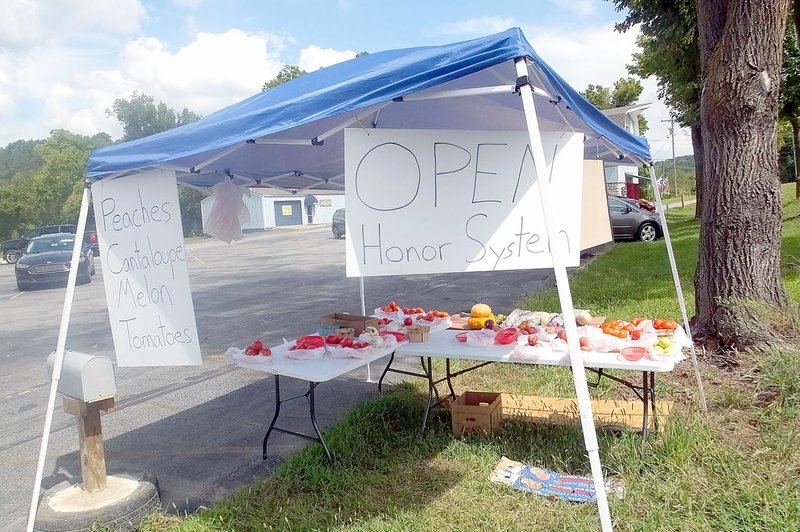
[
  {"x": 741, "y": 43},
  {"x": 697, "y": 148}
]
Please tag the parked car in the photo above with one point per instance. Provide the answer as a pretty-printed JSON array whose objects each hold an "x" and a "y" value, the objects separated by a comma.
[
  {"x": 46, "y": 262},
  {"x": 632, "y": 223},
  {"x": 337, "y": 225},
  {"x": 12, "y": 249},
  {"x": 639, "y": 203}
]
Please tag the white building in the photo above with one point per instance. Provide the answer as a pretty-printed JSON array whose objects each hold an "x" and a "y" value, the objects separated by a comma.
[
  {"x": 618, "y": 178},
  {"x": 270, "y": 208}
]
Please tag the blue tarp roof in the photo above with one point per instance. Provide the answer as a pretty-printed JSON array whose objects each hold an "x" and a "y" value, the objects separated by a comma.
[{"x": 268, "y": 137}]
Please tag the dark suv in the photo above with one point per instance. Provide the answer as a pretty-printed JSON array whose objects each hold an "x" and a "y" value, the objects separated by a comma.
[
  {"x": 337, "y": 225},
  {"x": 11, "y": 250}
]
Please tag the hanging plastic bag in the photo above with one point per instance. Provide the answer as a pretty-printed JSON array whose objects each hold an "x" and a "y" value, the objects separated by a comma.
[{"x": 228, "y": 212}]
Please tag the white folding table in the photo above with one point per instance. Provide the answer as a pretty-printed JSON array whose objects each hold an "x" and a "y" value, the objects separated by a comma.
[
  {"x": 314, "y": 372},
  {"x": 445, "y": 345}
]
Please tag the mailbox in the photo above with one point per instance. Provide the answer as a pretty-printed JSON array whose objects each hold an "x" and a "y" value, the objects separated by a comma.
[{"x": 84, "y": 377}]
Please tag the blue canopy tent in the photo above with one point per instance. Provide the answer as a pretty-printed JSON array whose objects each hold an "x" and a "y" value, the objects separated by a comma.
[{"x": 291, "y": 137}]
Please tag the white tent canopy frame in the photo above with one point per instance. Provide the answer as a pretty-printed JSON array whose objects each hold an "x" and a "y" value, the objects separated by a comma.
[{"x": 211, "y": 168}]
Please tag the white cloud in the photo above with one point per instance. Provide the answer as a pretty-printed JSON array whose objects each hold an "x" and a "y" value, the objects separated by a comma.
[
  {"x": 214, "y": 70},
  {"x": 598, "y": 55},
  {"x": 28, "y": 23},
  {"x": 477, "y": 26},
  {"x": 69, "y": 91},
  {"x": 188, "y": 3},
  {"x": 313, "y": 57}
]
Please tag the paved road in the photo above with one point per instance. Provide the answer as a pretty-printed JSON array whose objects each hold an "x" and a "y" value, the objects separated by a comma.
[{"x": 199, "y": 429}]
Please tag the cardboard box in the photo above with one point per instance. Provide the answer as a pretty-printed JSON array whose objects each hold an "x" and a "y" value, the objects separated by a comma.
[
  {"x": 476, "y": 412},
  {"x": 352, "y": 321},
  {"x": 418, "y": 333}
]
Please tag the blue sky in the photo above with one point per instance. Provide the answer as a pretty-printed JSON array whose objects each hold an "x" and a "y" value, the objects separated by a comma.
[{"x": 63, "y": 62}]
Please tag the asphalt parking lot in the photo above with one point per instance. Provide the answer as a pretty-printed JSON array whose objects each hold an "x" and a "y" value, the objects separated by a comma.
[{"x": 199, "y": 429}]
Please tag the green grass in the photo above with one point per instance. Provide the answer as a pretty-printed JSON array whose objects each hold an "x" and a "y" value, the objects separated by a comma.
[{"x": 735, "y": 468}]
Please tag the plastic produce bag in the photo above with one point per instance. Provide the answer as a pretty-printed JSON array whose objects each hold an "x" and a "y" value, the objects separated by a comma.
[{"x": 228, "y": 212}]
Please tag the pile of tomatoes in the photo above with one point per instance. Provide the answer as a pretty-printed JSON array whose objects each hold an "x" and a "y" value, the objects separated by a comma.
[
  {"x": 432, "y": 315},
  {"x": 344, "y": 341},
  {"x": 256, "y": 348},
  {"x": 622, "y": 329},
  {"x": 393, "y": 307}
]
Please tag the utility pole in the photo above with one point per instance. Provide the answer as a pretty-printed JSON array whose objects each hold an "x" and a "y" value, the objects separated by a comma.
[{"x": 674, "y": 168}]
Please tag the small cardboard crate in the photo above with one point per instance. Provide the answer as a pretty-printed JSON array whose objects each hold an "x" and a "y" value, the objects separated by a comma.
[
  {"x": 476, "y": 412},
  {"x": 352, "y": 321},
  {"x": 418, "y": 333}
]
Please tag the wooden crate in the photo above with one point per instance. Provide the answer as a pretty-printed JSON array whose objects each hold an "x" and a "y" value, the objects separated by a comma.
[
  {"x": 476, "y": 412},
  {"x": 607, "y": 413}
]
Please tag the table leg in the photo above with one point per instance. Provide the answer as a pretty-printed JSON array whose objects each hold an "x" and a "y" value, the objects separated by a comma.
[
  {"x": 385, "y": 371},
  {"x": 311, "y": 387},
  {"x": 309, "y": 395},
  {"x": 449, "y": 380},
  {"x": 429, "y": 402},
  {"x": 653, "y": 399},
  {"x": 275, "y": 417},
  {"x": 645, "y": 401}
]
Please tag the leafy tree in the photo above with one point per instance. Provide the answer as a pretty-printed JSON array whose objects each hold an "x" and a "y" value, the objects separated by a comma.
[
  {"x": 141, "y": 116},
  {"x": 738, "y": 279},
  {"x": 19, "y": 158},
  {"x": 669, "y": 51},
  {"x": 626, "y": 92},
  {"x": 790, "y": 94},
  {"x": 50, "y": 193},
  {"x": 598, "y": 96},
  {"x": 287, "y": 73}
]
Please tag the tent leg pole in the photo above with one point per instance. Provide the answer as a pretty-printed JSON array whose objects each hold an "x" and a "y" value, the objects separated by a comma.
[
  {"x": 679, "y": 291},
  {"x": 565, "y": 297},
  {"x": 59, "y": 358},
  {"x": 364, "y": 313}
]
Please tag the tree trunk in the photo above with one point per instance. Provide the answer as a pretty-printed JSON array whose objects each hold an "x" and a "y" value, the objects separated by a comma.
[
  {"x": 738, "y": 268},
  {"x": 697, "y": 148}
]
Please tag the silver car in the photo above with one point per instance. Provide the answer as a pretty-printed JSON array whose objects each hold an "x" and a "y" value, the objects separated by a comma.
[{"x": 632, "y": 223}]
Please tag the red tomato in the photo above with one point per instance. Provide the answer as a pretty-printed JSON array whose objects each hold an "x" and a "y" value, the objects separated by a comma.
[
  {"x": 332, "y": 339},
  {"x": 250, "y": 352},
  {"x": 671, "y": 325},
  {"x": 257, "y": 345},
  {"x": 636, "y": 334},
  {"x": 346, "y": 342},
  {"x": 266, "y": 352},
  {"x": 658, "y": 324},
  {"x": 636, "y": 321}
]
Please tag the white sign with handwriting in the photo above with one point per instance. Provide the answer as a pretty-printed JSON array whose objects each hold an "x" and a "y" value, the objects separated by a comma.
[
  {"x": 435, "y": 201},
  {"x": 143, "y": 258}
]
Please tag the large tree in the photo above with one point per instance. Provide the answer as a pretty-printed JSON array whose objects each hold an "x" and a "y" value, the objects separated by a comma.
[
  {"x": 790, "y": 92},
  {"x": 287, "y": 73},
  {"x": 626, "y": 92},
  {"x": 48, "y": 184},
  {"x": 668, "y": 50},
  {"x": 738, "y": 271},
  {"x": 141, "y": 116}
]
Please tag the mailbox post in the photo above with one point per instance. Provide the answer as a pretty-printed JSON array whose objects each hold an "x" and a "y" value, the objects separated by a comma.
[{"x": 88, "y": 385}]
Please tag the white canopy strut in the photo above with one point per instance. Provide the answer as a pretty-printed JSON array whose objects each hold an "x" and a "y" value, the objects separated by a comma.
[
  {"x": 565, "y": 297},
  {"x": 678, "y": 290},
  {"x": 59, "y": 359}
]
